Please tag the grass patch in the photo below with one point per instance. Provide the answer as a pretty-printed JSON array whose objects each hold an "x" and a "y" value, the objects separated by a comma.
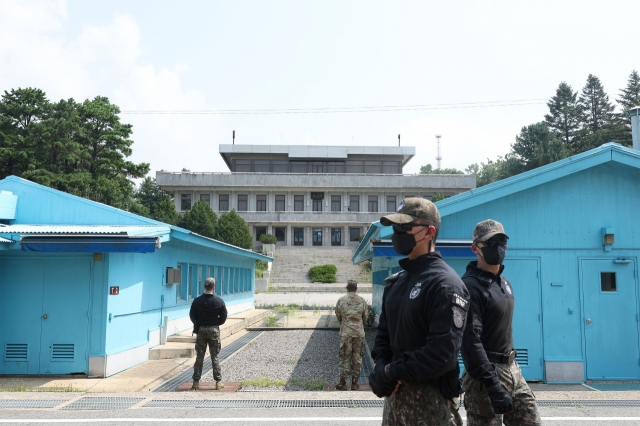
[
  {"x": 270, "y": 322},
  {"x": 309, "y": 384},
  {"x": 264, "y": 382},
  {"x": 23, "y": 388}
]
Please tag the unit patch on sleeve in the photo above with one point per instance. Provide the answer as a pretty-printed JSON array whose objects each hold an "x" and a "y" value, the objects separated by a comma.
[
  {"x": 458, "y": 316},
  {"x": 460, "y": 301}
]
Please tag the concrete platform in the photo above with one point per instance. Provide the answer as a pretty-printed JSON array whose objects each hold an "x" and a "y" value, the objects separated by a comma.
[
  {"x": 210, "y": 387},
  {"x": 329, "y": 387}
]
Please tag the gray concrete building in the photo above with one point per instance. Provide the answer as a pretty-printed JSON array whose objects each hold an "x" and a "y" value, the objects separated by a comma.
[{"x": 309, "y": 195}]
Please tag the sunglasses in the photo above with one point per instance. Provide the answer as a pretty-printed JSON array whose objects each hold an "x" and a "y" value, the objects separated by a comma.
[
  {"x": 406, "y": 227},
  {"x": 494, "y": 242}
]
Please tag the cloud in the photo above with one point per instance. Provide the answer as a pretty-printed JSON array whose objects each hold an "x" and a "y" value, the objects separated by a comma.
[{"x": 105, "y": 61}]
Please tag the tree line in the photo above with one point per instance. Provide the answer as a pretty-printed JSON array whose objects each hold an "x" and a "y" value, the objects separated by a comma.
[{"x": 576, "y": 122}]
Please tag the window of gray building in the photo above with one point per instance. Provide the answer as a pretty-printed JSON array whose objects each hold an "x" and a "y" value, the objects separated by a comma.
[
  {"x": 317, "y": 167},
  {"x": 354, "y": 234},
  {"x": 280, "y": 203},
  {"x": 354, "y": 167},
  {"x": 373, "y": 167},
  {"x": 299, "y": 167},
  {"x": 242, "y": 166},
  {"x": 317, "y": 205},
  {"x": 354, "y": 203},
  {"x": 243, "y": 203},
  {"x": 206, "y": 198},
  {"x": 391, "y": 203},
  {"x": 298, "y": 203},
  {"x": 261, "y": 203},
  {"x": 262, "y": 166},
  {"x": 391, "y": 167},
  {"x": 335, "y": 203},
  {"x": 260, "y": 230},
  {"x": 336, "y": 236},
  {"x": 373, "y": 203},
  {"x": 298, "y": 236},
  {"x": 280, "y": 166},
  {"x": 185, "y": 202},
  {"x": 335, "y": 167},
  {"x": 223, "y": 202},
  {"x": 281, "y": 234},
  {"x": 317, "y": 236}
]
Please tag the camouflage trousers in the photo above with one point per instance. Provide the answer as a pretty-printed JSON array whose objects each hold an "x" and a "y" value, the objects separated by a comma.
[
  {"x": 351, "y": 352},
  {"x": 209, "y": 335},
  {"x": 420, "y": 405},
  {"x": 478, "y": 404}
]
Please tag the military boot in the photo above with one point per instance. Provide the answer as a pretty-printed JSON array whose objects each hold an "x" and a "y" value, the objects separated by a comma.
[
  {"x": 196, "y": 385},
  {"x": 219, "y": 385},
  {"x": 354, "y": 383},
  {"x": 342, "y": 385}
]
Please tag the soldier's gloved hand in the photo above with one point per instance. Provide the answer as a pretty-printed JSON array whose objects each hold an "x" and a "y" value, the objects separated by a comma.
[
  {"x": 381, "y": 384},
  {"x": 500, "y": 399}
]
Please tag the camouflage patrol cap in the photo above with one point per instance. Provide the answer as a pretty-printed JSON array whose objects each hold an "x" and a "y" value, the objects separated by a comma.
[
  {"x": 411, "y": 209},
  {"x": 487, "y": 229},
  {"x": 352, "y": 283}
]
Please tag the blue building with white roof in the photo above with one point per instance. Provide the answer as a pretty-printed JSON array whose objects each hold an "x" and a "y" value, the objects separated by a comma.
[
  {"x": 84, "y": 287},
  {"x": 572, "y": 261}
]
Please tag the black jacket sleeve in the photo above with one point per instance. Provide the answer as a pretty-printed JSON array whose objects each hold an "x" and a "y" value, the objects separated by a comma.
[
  {"x": 223, "y": 312},
  {"x": 443, "y": 341},
  {"x": 473, "y": 354},
  {"x": 382, "y": 345},
  {"x": 193, "y": 312}
]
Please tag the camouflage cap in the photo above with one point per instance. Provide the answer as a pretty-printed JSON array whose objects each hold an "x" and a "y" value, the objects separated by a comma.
[
  {"x": 411, "y": 209},
  {"x": 487, "y": 229},
  {"x": 352, "y": 283}
]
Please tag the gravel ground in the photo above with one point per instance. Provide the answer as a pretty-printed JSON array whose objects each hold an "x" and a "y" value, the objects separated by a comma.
[{"x": 305, "y": 359}]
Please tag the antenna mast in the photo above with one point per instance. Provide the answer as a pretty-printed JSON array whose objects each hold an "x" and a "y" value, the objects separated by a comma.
[{"x": 439, "y": 157}]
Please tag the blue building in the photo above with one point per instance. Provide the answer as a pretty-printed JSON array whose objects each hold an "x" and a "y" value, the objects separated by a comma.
[
  {"x": 84, "y": 287},
  {"x": 572, "y": 260}
]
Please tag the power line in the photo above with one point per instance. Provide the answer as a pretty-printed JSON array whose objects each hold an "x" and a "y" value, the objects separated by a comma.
[{"x": 387, "y": 108}]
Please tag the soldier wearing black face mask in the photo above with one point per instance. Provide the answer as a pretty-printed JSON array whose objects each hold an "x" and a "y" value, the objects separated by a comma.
[
  {"x": 495, "y": 390},
  {"x": 424, "y": 310}
]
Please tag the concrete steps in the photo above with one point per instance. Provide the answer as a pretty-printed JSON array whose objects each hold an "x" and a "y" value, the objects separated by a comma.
[
  {"x": 181, "y": 345},
  {"x": 291, "y": 264}
]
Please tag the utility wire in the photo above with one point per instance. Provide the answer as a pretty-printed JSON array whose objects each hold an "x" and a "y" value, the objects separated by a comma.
[{"x": 387, "y": 108}]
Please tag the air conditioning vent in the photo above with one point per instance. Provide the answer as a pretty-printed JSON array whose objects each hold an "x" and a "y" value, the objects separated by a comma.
[
  {"x": 523, "y": 356},
  {"x": 62, "y": 352},
  {"x": 16, "y": 352},
  {"x": 174, "y": 276}
]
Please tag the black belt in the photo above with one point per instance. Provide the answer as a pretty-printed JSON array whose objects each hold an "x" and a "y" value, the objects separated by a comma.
[{"x": 502, "y": 358}]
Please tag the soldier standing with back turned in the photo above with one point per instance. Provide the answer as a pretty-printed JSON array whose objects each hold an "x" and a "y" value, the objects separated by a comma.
[
  {"x": 492, "y": 381},
  {"x": 351, "y": 312}
]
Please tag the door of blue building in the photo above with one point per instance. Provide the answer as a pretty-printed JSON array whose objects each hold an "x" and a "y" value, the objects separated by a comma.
[
  {"x": 527, "y": 321},
  {"x": 610, "y": 319},
  {"x": 44, "y": 316}
]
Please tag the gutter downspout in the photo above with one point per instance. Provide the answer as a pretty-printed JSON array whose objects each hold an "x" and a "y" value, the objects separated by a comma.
[{"x": 634, "y": 113}]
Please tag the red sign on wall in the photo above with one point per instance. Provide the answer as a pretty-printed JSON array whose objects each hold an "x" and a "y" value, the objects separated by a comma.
[{"x": 114, "y": 290}]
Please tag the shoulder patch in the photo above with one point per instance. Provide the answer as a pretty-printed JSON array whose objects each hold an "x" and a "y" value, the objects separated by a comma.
[{"x": 460, "y": 301}]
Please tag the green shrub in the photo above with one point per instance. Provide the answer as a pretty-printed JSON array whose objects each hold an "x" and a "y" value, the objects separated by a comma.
[
  {"x": 259, "y": 272},
  {"x": 262, "y": 264},
  {"x": 268, "y": 239},
  {"x": 323, "y": 273},
  {"x": 361, "y": 237}
]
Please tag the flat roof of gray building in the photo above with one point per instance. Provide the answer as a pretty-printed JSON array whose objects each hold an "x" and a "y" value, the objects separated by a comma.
[{"x": 300, "y": 152}]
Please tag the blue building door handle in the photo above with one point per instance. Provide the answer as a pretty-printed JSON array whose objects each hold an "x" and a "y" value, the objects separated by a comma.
[
  {"x": 588, "y": 321},
  {"x": 45, "y": 316}
]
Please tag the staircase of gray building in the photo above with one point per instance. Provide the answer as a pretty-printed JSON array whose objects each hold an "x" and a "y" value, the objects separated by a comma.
[{"x": 292, "y": 263}]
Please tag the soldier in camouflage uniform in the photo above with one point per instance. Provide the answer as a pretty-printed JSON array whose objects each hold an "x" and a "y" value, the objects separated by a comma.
[
  {"x": 495, "y": 390},
  {"x": 351, "y": 312},
  {"x": 422, "y": 320},
  {"x": 207, "y": 313}
]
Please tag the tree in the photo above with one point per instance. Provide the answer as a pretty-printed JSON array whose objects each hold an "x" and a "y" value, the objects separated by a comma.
[
  {"x": 155, "y": 203},
  {"x": 232, "y": 229},
  {"x": 598, "y": 124},
  {"x": 537, "y": 146},
  {"x": 77, "y": 148},
  {"x": 200, "y": 219},
  {"x": 564, "y": 116},
  {"x": 437, "y": 197},
  {"x": 629, "y": 98},
  {"x": 429, "y": 170}
]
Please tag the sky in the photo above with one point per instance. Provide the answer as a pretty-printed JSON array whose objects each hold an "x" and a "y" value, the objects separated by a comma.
[{"x": 274, "y": 55}]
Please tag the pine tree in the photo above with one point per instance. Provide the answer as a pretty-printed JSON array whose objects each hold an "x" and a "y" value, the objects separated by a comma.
[
  {"x": 232, "y": 229},
  {"x": 629, "y": 98},
  {"x": 564, "y": 116},
  {"x": 537, "y": 145},
  {"x": 599, "y": 125},
  {"x": 200, "y": 219}
]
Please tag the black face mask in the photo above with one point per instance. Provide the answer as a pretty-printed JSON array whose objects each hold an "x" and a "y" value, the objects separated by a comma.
[
  {"x": 403, "y": 243},
  {"x": 493, "y": 255}
]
